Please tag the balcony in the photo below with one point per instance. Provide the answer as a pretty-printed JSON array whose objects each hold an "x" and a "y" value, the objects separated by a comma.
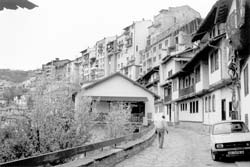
[
  {"x": 129, "y": 42},
  {"x": 186, "y": 91},
  {"x": 167, "y": 98}
]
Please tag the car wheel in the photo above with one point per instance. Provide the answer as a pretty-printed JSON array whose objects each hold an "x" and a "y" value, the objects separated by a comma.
[{"x": 215, "y": 156}]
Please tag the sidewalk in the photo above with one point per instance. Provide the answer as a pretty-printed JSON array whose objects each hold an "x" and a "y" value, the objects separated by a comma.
[{"x": 243, "y": 164}]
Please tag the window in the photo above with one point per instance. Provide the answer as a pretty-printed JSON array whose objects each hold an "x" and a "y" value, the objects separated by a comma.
[
  {"x": 144, "y": 64},
  {"x": 174, "y": 85},
  {"x": 160, "y": 45},
  {"x": 214, "y": 61},
  {"x": 194, "y": 107},
  {"x": 197, "y": 106},
  {"x": 147, "y": 55},
  {"x": 159, "y": 56},
  {"x": 246, "y": 83},
  {"x": 190, "y": 106},
  {"x": 166, "y": 42},
  {"x": 230, "y": 108},
  {"x": 213, "y": 103},
  {"x": 205, "y": 104},
  {"x": 121, "y": 65},
  {"x": 209, "y": 104},
  {"x": 197, "y": 74},
  {"x": 154, "y": 49},
  {"x": 166, "y": 92},
  {"x": 136, "y": 48},
  {"x": 170, "y": 73},
  {"x": 176, "y": 40}
]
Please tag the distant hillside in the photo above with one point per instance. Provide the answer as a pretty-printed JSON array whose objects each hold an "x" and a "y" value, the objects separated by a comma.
[{"x": 15, "y": 76}]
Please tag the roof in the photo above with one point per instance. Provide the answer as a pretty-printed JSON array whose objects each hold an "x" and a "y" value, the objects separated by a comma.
[
  {"x": 181, "y": 55},
  {"x": 218, "y": 14},
  {"x": 119, "y": 98},
  {"x": 190, "y": 65},
  {"x": 205, "y": 50},
  {"x": 123, "y": 76},
  {"x": 148, "y": 74}
]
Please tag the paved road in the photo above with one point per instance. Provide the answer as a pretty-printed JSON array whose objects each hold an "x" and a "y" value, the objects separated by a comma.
[{"x": 182, "y": 148}]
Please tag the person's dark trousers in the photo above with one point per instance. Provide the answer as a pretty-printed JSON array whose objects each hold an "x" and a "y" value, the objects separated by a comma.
[{"x": 160, "y": 133}]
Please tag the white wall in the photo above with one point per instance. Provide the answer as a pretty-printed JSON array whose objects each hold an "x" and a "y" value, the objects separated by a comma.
[
  {"x": 213, "y": 117},
  {"x": 187, "y": 116},
  {"x": 140, "y": 37},
  {"x": 245, "y": 100},
  {"x": 204, "y": 79}
]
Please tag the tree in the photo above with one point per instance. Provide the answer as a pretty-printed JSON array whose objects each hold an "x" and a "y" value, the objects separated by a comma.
[{"x": 51, "y": 122}]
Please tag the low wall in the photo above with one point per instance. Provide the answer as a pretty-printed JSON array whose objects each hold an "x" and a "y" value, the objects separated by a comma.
[
  {"x": 116, "y": 155},
  {"x": 116, "y": 150}
]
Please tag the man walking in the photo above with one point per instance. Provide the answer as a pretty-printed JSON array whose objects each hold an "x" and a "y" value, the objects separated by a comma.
[{"x": 161, "y": 127}]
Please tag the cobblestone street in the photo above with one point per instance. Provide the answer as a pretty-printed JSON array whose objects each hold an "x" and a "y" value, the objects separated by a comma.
[{"x": 182, "y": 148}]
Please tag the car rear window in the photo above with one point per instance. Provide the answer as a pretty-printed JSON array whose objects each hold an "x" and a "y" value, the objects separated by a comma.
[{"x": 230, "y": 127}]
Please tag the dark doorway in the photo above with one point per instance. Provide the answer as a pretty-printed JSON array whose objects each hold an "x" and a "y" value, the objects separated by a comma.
[
  {"x": 138, "y": 111},
  {"x": 223, "y": 109}
]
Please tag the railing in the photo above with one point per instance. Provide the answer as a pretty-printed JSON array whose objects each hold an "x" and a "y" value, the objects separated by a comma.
[
  {"x": 186, "y": 91},
  {"x": 50, "y": 158}
]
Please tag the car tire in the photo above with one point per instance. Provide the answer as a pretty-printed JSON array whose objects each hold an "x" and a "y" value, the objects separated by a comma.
[{"x": 215, "y": 156}]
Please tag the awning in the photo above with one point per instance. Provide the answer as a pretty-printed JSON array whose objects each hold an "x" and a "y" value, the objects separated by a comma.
[{"x": 120, "y": 99}]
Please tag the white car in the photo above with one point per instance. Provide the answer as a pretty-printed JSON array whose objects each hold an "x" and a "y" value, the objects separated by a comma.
[{"x": 229, "y": 139}]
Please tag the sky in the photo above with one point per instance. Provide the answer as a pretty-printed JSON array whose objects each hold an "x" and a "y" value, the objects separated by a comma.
[{"x": 63, "y": 28}]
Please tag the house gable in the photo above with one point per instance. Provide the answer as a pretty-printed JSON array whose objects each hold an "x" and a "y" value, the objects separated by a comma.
[{"x": 116, "y": 85}]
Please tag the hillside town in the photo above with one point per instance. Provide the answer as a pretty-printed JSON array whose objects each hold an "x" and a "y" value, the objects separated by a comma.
[{"x": 192, "y": 70}]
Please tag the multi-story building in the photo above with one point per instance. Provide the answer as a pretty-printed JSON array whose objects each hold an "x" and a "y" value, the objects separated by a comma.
[
  {"x": 168, "y": 48},
  {"x": 88, "y": 64},
  {"x": 203, "y": 90},
  {"x": 130, "y": 43},
  {"x": 49, "y": 69},
  {"x": 105, "y": 57},
  {"x": 170, "y": 32}
]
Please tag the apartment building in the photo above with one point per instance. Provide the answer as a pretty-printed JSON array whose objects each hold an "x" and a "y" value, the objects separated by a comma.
[
  {"x": 132, "y": 41},
  {"x": 49, "y": 69},
  {"x": 88, "y": 64},
  {"x": 105, "y": 51},
  {"x": 167, "y": 50},
  {"x": 170, "y": 32}
]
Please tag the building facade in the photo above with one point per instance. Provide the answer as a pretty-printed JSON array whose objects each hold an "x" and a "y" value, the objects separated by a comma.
[
  {"x": 132, "y": 41},
  {"x": 168, "y": 48}
]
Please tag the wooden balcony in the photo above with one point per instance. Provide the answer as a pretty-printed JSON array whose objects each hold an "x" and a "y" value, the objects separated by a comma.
[{"x": 186, "y": 91}]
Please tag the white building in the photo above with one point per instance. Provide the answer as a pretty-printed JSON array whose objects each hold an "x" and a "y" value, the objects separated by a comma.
[
  {"x": 119, "y": 88},
  {"x": 132, "y": 41},
  {"x": 204, "y": 85}
]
